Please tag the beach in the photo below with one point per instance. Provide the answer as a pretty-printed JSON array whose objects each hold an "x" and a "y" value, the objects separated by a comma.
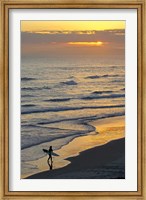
[
  {"x": 103, "y": 162},
  {"x": 101, "y": 154}
]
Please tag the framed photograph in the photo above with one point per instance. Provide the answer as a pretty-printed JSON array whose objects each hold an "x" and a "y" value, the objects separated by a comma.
[{"x": 72, "y": 82}]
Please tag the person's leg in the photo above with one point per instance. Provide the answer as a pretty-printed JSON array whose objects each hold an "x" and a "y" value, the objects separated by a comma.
[{"x": 49, "y": 157}]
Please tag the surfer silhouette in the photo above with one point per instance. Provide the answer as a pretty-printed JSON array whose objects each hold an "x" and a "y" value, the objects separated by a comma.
[{"x": 50, "y": 153}]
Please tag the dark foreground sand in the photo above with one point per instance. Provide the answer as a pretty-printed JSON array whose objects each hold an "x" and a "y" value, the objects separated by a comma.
[{"x": 102, "y": 162}]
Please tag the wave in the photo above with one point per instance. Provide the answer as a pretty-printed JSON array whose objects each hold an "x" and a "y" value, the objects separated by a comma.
[
  {"x": 101, "y": 92},
  {"x": 58, "y": 100},
  {"x": 69, "y": 83},
  {"x": 92, "y": 77},
  {"x": 28, "y": 105},
  {"x": 77, "y": 133},
  {"x": 102, "y": 76},
  {"x": 88, "y": 97},
  {"x": 35, "y": 88},
  {"x": 69, "y": 109},
  {"x": 90, "y": 118},
  {"x": 41, "y": 140},
  {"x": 27, "y": 79},
  {"x": 45, "y": 137},
  {"x": 118, "y": 81},
  {"x": 104, "y": 97},
  {"x": 27, "y": 95}
]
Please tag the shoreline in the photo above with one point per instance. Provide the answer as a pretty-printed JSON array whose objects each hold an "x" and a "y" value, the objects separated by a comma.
[
  {"x": 88, "y": 164},
  {"x": 106, "y": 130}
]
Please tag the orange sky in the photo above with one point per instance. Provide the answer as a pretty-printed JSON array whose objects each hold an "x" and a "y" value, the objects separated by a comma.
[
  {"x": 73, "y": 38},
  {"x": 45, "y": 26}
]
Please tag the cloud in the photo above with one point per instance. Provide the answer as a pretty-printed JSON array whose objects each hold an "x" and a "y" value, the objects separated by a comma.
[
  {"x": 53, "y": 43},
  {"x": 73, "y": 36},
  {"x": 62, "y": 32}
]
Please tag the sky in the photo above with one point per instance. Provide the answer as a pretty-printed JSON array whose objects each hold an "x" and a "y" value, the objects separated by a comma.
[{"x": 98, "y": 39}]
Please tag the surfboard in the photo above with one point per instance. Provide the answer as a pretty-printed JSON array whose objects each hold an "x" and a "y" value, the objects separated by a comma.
[{"x": 47, "y": 151}]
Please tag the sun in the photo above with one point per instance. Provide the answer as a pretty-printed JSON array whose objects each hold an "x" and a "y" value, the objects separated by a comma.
[{"x": 97, "y": 43}]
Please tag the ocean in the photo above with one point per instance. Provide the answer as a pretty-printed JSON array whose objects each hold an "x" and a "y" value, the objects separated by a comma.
[{"x": 59, "y": 97}]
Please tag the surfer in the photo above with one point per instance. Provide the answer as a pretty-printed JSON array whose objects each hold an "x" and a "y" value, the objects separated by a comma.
[{"x": 50, "y": 151}]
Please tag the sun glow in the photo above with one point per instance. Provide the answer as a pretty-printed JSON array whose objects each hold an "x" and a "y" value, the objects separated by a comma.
[{"x": 98, "y": 43}]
